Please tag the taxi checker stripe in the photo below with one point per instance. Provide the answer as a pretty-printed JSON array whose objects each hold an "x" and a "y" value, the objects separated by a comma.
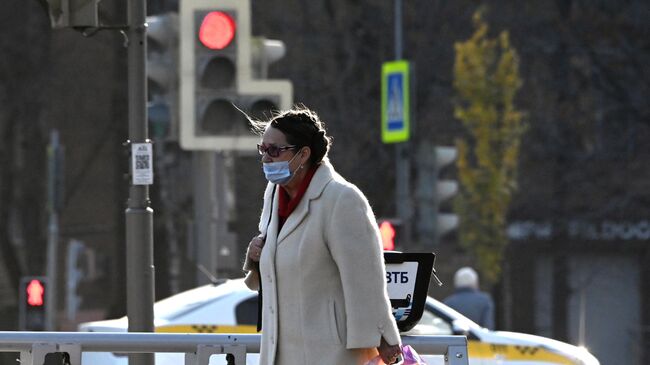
[
  {"x": 477, "y": 350},
  {"x": 527, "y": 349},
  {"x": 204, "y": 328},
  {"x": 197, "y": 328}
]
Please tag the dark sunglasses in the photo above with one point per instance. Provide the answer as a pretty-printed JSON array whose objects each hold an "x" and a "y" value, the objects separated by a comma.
[{"x": 272, "y": 150}]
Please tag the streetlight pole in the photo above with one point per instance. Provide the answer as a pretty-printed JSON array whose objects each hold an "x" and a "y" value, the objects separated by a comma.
[
  {"x": 402, "y": 165},
  {"x": 139, "y": 215},
  {"x": 54, "y": 160},
  {"x": 398, "y": 29}
]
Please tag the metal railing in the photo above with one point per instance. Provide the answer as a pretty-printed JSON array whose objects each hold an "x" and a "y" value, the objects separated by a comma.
[{"x": 34, "y": 346}]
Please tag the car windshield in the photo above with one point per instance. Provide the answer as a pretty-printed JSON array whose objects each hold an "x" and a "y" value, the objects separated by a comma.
[
  {"x": 188, "y": 301},
  {"x": 451, "y": 314},
  {"x": 439, "y": 319}
]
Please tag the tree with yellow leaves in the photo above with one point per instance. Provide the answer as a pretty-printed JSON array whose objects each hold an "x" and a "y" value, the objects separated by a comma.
[{"x": 486, "y": 80}]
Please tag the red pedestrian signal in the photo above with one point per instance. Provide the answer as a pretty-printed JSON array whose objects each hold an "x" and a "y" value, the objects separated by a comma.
[
  {"x": 217, "y": 30},
  {"x": 35, "y": 293},
  {"x": 33, "y": 304},
  {"x": 387, "y": 232}
]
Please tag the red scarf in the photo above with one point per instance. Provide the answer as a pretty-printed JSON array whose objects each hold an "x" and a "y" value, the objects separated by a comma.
[{"x": 286, "y": 205}]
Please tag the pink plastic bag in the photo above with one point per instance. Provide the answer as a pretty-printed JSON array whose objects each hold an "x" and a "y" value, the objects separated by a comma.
[{"x": 408, "y": 353}]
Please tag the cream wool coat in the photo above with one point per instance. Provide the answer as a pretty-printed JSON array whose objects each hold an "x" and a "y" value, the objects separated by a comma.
[{"x": 323, "y": 278}]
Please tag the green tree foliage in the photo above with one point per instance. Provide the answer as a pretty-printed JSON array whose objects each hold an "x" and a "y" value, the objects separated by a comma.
[{"x": 486, "y": 80}]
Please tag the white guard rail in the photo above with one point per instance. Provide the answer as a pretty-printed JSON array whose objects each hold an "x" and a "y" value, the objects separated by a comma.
[{"x": 33, "y": 346}]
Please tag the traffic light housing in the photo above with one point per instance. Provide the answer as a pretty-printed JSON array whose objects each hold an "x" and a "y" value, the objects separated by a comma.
[
  {"x": 32, "y": 306},
  {"x": 73, "y": 13},
  {"x": 433, "y": 192},
  {"x": 162, "y": 74},
  {"x": 216, "y": 82},
  {"x": 75, "y": 274}
]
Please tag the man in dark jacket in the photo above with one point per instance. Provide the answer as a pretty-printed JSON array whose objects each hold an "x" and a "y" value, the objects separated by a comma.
[{"x": 469, "y": 300}]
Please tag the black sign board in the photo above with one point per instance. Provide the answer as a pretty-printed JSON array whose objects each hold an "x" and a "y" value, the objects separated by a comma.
[{"x": 407, "y": 278}]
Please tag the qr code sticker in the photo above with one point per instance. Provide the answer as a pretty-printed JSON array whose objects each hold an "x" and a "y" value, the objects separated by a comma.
[{"x": 142, "y": 162}]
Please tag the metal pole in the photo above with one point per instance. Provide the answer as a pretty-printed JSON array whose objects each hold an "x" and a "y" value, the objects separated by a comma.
[
  {"x": 398, "y": 29},
  {"x": 215, "y": 245},
  {"x": 582, "y": 316},
  {"x": 205, "y": 201},
  {"x": 139, "y": 215},
  {"x": 402, "y": 165},
  {"x": 51, "y": 298}
]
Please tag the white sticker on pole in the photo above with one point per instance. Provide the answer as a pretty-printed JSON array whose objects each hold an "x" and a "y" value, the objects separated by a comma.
[{"x": 141, "y": 163}]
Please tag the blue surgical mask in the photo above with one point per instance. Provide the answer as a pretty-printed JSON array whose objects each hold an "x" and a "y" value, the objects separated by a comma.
[{"x": 279, "y": 172}]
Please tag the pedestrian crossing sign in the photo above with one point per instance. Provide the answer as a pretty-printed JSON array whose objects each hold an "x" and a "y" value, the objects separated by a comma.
[{"x": 395, "y": 107}]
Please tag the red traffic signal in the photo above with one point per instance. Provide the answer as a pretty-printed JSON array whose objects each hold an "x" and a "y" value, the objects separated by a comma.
[
  {"x": 217, "y": 30},
  {"x": 223, "y": 78},
  {"x": 31, "y": 311},
  {"x": 35, "y": 293},
  {"x": 387, "y": 231}
]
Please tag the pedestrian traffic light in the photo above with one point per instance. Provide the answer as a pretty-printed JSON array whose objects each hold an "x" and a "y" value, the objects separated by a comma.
[
  {"x": 433, "y": 192},
  {"x": 162, "y": 74},
  {"x": 389, "y": 230},
  {"x": 32, "y": 307},
  {"x": 217, "y": 87}
]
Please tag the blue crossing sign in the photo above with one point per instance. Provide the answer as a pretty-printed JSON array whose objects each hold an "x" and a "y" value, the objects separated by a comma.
[{"x": 395, "y": 102}]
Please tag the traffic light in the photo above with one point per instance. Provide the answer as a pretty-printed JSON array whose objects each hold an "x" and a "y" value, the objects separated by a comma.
[
  {"x": 389, "y": 230},
  {"x": 263, "y": 53},
  {"x": 162, "y": 74},
  {"x": 74, "y": 275},
  {"x": 433, "y": 192},
  {"x": 73, "y": 13},
  {"x": 31, "y": 316},
  {"x": 216, "y": 84}
]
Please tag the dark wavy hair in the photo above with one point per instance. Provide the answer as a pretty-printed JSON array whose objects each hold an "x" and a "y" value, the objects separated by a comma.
[{"x": 302, "y": 127}]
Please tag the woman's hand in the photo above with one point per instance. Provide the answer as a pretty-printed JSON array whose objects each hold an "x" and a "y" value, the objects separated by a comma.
[
  {"x": 255, "y": 248},
  {"x": 389, "y": 353}
]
